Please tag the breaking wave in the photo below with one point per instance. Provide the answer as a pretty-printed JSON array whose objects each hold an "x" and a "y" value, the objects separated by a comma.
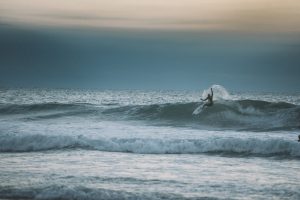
[
  {"x": 240, "y": 114},
  {"x": 226, "y": 113},
  {"x": 238, "y": 146}
]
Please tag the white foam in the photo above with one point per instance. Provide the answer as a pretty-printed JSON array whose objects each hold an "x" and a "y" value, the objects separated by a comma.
[
  {"x": 220, "y": 93},
  {"x": 263, "y": 147}
]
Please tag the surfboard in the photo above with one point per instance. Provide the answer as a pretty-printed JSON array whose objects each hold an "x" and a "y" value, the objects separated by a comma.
[{"x": 198, "y": 110}]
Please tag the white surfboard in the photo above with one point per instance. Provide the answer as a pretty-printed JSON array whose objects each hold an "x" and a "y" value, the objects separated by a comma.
[{"x": 198, "y": 110}]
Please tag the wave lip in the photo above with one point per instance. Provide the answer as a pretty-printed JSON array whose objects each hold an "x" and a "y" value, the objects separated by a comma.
[
  {"x": 229, "y": 146},
  {"x": 274, "y": 147}
]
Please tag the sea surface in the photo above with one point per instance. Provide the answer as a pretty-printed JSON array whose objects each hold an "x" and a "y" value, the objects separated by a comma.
[{"x": 106, "y": 144}]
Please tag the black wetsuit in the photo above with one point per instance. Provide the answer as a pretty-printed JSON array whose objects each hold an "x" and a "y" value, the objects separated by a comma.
[{"x": 209, "y": 98}]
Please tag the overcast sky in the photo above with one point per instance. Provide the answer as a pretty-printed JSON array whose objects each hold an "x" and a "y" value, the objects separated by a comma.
[{"x": 142, "y": 44}]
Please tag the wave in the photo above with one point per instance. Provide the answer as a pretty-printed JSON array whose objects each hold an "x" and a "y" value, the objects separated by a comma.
[
  {"x": 79, "y": 192},
  {"x": 252, "y": 115},
  {"x": 241, "y": 114},
  {"x": 38, "y": 107},
  {"x": 230, "y": 146},
  {"x": 44, "y": 111}
]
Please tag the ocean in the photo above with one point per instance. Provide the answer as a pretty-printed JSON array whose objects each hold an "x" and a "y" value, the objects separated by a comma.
[{"x": 109, "y": 144}]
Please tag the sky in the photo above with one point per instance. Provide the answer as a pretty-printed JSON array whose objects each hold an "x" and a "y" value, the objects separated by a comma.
[{"x": 244, "y": 45}]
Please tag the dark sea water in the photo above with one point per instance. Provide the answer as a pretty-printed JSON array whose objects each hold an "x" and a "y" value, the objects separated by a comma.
[{"x": 89, "y": 144}]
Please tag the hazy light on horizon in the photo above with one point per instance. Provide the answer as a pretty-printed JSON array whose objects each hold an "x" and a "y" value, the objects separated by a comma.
[{"x": 236, "y": 15}]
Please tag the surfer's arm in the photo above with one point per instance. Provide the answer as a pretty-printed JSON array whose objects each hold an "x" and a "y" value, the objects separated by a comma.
[
  {"x": 204, "y": 99},
  {"x": 212, "y": 93}
]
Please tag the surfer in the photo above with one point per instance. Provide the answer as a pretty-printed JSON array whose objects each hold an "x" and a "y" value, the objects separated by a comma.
[
  {"x": 209, "y": 99},
  {"x": 298, "y": 138}
]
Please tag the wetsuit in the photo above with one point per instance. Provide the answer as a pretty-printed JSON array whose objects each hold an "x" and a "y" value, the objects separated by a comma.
[{"x": 209, "y": 98}]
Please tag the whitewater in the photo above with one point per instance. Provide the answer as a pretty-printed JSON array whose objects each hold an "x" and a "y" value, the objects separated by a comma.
[{"x": 107, "y": 144}]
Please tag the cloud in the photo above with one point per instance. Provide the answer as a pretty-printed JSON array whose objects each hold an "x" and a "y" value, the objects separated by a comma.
[
  {"x": 218, "y": 15},
  {"x": 134, "y": 59}
]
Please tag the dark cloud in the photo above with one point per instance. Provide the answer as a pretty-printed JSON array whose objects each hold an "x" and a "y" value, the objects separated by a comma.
[{"x": 136, "y": 59}]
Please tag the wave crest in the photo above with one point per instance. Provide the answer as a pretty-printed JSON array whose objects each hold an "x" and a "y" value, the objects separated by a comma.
[
  {"x": 248, "y": 146},
  {"x": 241, "y": 114},
  {"x": 252, "y": 115}
]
